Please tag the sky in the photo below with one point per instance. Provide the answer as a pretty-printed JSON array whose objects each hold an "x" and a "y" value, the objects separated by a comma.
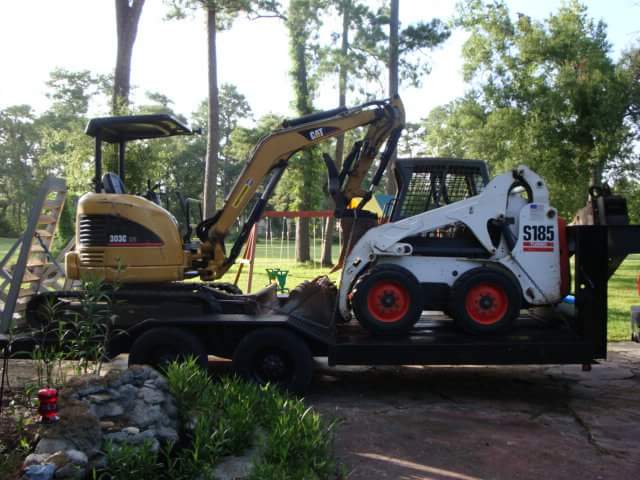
[{"x": 37, "y": 36}]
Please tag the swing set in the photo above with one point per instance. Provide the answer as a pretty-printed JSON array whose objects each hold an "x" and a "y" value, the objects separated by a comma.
[{"x": 281, "y": 247}]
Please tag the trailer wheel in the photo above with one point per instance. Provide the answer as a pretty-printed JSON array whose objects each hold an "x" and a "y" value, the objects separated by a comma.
[
  {"x": 485, "y": 301},
  {"x": 162, "y": 345},
  {"x": 275, "y": 356},
  {"x": 387, "y": 300}
]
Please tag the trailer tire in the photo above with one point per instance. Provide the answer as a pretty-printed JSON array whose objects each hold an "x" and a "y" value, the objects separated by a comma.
[
  {"x": 159, "y": 346},
  {"x": 387, "y": 300},
  {"x": 275, "y": 356},
  {"x": 485, "y": 300}
]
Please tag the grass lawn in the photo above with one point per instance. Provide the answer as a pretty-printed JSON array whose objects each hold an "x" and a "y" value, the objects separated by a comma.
[
  {"x": 282, "y": 256},
  {"x": 622, "y": 286},
  {"x": 5, "y": 245},
  {"x": 622, "y": 295}
]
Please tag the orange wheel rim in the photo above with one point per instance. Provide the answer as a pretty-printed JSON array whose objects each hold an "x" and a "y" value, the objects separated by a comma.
[
  {"x": 486, "y": 303},
  {"x": 388, "y": 301}
]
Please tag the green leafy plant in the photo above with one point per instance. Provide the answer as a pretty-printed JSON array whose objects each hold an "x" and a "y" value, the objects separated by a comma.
[
  {"x": 92, "y": 326},
  {"x": 297, "y": 443},
  {"x": 48, "y": 353},
  {"x": 77, "y": 331},
  {"x": 228, "y": 416},
  {"x": 135, "y": 462}
]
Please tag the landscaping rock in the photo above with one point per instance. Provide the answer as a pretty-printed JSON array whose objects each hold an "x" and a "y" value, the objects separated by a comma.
[
  {"x": 34, "y": 459},
  {"x": 167, "y": 434},
  {"x": 39, "y": 472},
  {"x": 52, "y": 445},
  {"x": 71, "y": 470},
  {"x": 77, "y": 457},
  {"x": 145, "y": 415},
  {"x": 124, "y": 407},
  {"x": 151, "y": 395},
  {"x": 235, "y": 468},
  {"x": 108, "y": 410},
  {"x": 99, "y": 398},
  {"x": 59, "y": 459},
  {"x": 131, "y": 430}
]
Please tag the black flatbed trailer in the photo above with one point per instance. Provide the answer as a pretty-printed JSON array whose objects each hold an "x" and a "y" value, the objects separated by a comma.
[{"x": 541, "y": 336}]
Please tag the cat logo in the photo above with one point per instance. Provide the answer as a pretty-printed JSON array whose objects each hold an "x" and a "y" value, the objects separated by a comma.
[{"x": 315, "y": 134}]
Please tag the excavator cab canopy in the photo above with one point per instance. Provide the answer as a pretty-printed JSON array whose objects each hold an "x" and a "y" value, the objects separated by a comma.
[{"x": 120, "y": 130}]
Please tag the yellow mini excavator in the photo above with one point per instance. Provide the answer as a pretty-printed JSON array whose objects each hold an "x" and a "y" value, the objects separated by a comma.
[{"x": 133, "y": 239}]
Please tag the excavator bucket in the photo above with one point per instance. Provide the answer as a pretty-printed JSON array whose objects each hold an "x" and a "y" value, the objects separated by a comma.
[{"x": 313, "y": 301}]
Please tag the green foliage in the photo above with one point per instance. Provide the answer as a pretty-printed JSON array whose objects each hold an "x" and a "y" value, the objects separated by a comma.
[
  {"x": 76, "y": 335},
  {"x": 229, "y": 416},
  {"x": 221, "y": 413},
  {"x": 66, "y": 150},
  {"x": 297, "y": 444},
  {"x": 187, "y": 381},
  {"x": 367, "y": 54},
  {"x": 545, "y": 94},
  {"x": 226, "y": 10},
  {"x": 7, "y": 229},
  {"x": 19, "y": 169},
  {"x": 135, "y": 462}
]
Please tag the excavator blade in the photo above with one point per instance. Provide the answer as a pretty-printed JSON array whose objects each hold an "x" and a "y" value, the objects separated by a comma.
[{"x": 314, "y": 301}]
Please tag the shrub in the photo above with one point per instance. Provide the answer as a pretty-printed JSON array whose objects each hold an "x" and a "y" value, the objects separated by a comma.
[
  {"x": 297, "y": 444},
  {"x": 135, "y": 462},
  {"x": 294, "y": 442}
]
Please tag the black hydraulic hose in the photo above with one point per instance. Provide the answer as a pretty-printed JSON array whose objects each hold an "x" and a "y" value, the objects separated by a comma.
[
  {"x": 348, "y": 162},
  {"x": 313, "y": 117},
  {"x": 508, "y": 236}
]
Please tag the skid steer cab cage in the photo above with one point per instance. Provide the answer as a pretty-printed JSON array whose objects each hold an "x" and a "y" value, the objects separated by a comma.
[
  {"x": 120, "y": 130},
  {"x": 428, "y": 183}
]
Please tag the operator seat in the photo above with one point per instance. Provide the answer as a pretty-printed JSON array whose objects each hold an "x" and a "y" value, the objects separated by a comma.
[{"x": 112, "y": 183}]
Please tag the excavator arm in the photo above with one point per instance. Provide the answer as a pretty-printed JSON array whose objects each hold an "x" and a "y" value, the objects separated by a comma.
[{"x": 384, "y": 121}]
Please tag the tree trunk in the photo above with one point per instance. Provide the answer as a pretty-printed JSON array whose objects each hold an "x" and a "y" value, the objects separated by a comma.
[
  {"x": 302, "y": 240},
  {"x": 211, "y": 159},
  {"x": 127, "y": 18},
  {"x": 299, "y": 38},
  {"x": 326, "y": 260},
  {"x": 393, "y": 83}
]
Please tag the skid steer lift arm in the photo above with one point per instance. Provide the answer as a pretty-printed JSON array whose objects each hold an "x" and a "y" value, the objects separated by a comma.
[{"x": 385, "y": 121}]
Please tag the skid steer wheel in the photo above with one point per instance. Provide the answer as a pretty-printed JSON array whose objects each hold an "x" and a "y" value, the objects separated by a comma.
[
  {"x": 387, "y": 300},
  {"x": 275, "y": 356},
  {"x": 160, "y": 346},
  {"x": 485, "y": 301}
]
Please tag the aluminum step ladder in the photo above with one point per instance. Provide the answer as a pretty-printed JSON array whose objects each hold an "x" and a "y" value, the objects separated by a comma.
[{"x": 34, "y": 270}]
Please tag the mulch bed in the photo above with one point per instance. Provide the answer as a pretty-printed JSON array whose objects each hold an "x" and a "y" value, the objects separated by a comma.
[{"x": 15, "y": 434}]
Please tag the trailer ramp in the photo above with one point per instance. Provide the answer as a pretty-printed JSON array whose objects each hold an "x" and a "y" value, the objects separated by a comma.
[{"x": 28, "y": 267}]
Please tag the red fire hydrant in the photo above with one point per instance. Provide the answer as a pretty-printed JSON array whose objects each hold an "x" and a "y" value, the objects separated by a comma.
[{"x": 48, "y": 408}]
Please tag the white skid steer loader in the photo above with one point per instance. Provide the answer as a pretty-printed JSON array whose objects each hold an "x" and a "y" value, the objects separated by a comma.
[{"x": 480, "y": 259}]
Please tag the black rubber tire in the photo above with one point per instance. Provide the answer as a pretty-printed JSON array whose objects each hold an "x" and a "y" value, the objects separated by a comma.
[
  {"x": 275, "y": 356},
  {"x": 159, "y": 346},
  {"x": 404, "y": 290},
  {"x": 496, "y": 287},
  {"x": 226, "y": 287}
]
